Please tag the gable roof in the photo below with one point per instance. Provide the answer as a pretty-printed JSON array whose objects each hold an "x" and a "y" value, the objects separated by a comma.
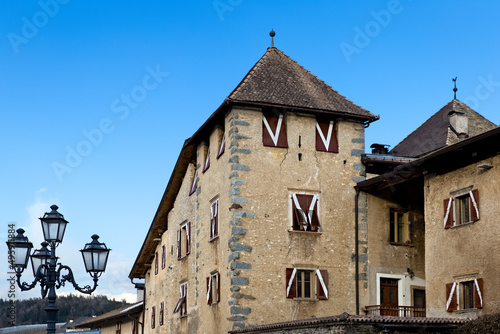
[
  {"x": 278, "y": 80},
  {"x": 436, "y": 132},
  {"x": 125, "y": 312}
]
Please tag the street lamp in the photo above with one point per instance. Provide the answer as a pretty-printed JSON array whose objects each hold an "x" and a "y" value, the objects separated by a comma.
[{"x": 44, "y": 262}]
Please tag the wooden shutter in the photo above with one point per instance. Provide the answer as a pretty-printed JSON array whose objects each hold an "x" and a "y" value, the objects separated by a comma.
[
  {"x": 222, "y": 147},
  {"x": 188, "y": 238},
  {"x": 305, "y": 209},
  {"x": 274, "y": 130},
  {"x": 156, "y": 263},
  {"x": 182, "y": 299},
  {"x": 217, "y": 277},
  {"x": 448, "y": 212},
  {"x": 451, "y": 297},
  {"x": 194, "y": 185},
  {"x": 163, "y": 256},
  {"x": 214, "y": 219},
  {"x": 207, "y": 161},
  {"x": 321, "y": 284},
  {"x": 209, "y": 290},
  {"x": 326, "y": 136},
  {"x": 474, "y": 207},
  {"x": 178, "y": 244},
  {"x": 478, "y": 293},
  {"x": 291, "y": 282},
  {"x": 161, "y": 314},
  {"x": 153, "y": 309}
]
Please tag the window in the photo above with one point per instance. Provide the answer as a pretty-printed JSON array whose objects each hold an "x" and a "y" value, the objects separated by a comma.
[
  {"x": 163, "y": 256},
  {"x": 461, "y": 208},
  {"x": 326, "y": 136},
  {"x": 194, "y": 185},
  {"x": 214, "y": 219},
  {"x": 153, "y": 309},
  {"x": 184, "y": 240},
  {"x": 274, "y": 129},
  {"x": 156, "y": 263},
  {"x": 161, "y": 314},
  {"x": 181, "y": 306},
  {"x": 399, "y": 231},
  {"x": 222, "y": 147},
  {"x": 213, "y": 288},
  {"x": 135, "y": 326},
  {"x": 306, "y": 283},
  {"x": 305, "y": 213},
  {"x": 464, "y": 294},
  {"x": 206, "y": 165},
  {"x": 118, "y": 328}
]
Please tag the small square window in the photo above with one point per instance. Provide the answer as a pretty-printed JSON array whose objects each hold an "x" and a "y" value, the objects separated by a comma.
[
  {"x": 464, "y": 294},
  {"x": 306, "y": 283}
]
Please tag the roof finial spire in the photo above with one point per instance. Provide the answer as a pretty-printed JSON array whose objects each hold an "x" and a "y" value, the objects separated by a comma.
[
  {"x": 272, "y": 34},
  {"x": 454, "y": 87}
]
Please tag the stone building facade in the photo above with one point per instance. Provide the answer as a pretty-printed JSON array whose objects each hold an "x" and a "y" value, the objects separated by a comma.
[{"x": 256, "y": 224}]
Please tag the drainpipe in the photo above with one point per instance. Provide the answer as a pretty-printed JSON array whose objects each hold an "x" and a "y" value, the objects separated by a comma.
[{"x": 356, "y": 251}]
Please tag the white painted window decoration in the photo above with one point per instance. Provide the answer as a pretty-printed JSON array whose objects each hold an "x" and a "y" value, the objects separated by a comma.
[
  {"x": 464, "y": 294},
  {"x": 274, "y": 130},
  {"x": 222, "y": 147},
  {"x": 306, "y": 283},
  {"x": 181, "y": 306},
  {"x": 305, "y": 215},
  {"x": 206, "y": 165},
  {"x": 462, "y": 207},
  {"x": 213, "y": 288}
]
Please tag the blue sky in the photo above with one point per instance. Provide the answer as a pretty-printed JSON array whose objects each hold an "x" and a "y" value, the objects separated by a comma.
[{"x": 96, "y": 98}]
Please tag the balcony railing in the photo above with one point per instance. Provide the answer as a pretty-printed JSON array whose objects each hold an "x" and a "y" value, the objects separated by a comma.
[{"x": 395, "y": 311}]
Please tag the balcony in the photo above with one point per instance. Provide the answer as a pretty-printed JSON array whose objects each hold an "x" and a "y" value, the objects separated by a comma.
[{"x": 395, "y": 311}]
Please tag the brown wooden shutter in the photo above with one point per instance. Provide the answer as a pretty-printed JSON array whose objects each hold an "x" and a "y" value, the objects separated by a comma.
[
  {"x": 163, "y": 256},
  {"x": 217, "y": 276},
  {"x": 322, "y": 291},
  {"x": 274, "y": 132},
  {"x": 188, "y": 238},
  {"x": 478, "y": 293},
  {"x": 207, "y": 161},
  {"x": 222, "y": 147},
  {"x": 474, "y": 205},
  {"x": 290, "y": 283},
  {"x": 451, "y": 297},
  {"x": 326, "y": 136},
  {"x": 156, "y": 263},
  {"x": 153, "y": 309},
  {"x": 178, "y": 244},
  {"x": 209, "y": 290},
  {"x": 448, "y": 212},
  {"x": 194, "y": 185}
]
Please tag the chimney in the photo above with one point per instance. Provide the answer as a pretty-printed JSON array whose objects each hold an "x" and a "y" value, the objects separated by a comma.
[
  {"x": 459, "y": 123},
  {"x": 379, "y": 148}
]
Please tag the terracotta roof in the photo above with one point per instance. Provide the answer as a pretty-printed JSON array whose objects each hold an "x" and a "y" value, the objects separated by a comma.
[
  {"x": 278, "y": 80},
  {"x": 121, "y": 312},
  {"x": 353, "y": 319},
  {"x": 436, "y": 133}
]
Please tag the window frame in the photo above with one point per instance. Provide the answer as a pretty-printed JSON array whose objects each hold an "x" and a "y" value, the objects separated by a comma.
[
  {"x": 394, "y": 227},
  {"x": 153, "y": 319},
  {"x": 318, "y": 289},
  {"x": 184, "y": 240},
  {"x": 181, "y": 306},
  {"x": 213, "y": 288},
  {"x": 214, "y": 218},
  {"x": 161, "y": 314},
  {"x": 118, "y": 327},
  {"x": 455, "y": 211},
  {"x": 456, "y": 299},
  {"x": 156, "y": 263},
  {"x": 298, "y": 213},
  {"x": 163, "y": 256}
]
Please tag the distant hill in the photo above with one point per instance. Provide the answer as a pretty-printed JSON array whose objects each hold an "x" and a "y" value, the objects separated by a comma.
[{"x": 32, "y": 311}]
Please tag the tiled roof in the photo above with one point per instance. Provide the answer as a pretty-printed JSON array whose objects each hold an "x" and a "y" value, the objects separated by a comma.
[
  {"x": 436, "y": 133},
  {"x": 278, "y": 80},
  {"x": 352, "y": 319},
  {"x": 121, "y": 312}
]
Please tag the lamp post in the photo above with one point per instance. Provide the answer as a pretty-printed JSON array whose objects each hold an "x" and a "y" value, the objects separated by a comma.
[{"x": 44, "y": 262}]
